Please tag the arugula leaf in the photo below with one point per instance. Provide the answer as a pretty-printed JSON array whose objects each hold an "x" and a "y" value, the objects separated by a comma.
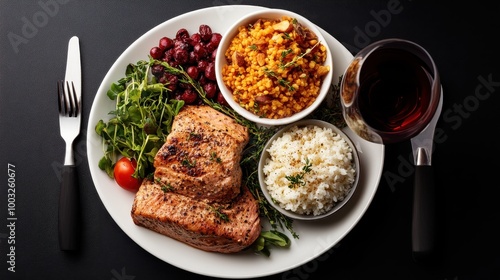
[{"x": 140, "y": 122}]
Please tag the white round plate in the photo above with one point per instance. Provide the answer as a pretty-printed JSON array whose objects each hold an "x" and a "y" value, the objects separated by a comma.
[{"x": 315, "y": 237}]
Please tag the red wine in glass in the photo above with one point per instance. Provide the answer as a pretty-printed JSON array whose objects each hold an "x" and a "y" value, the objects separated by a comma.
[{"x": 395, "y": 90}]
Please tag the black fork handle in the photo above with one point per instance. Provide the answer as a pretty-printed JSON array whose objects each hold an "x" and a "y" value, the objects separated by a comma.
[{"x": 69, "y": 210}]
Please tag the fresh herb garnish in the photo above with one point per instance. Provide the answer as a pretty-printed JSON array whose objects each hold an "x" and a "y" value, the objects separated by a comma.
[
  {"x": 282, "y": 82},
  {"x": 270, "y": 238},
  {"x": 298, "y": 179},
  {"x": 286, "y": 36},
  {"x": 188, "y": 163},
  {"x": 140, "y": 122},
  {"x": 285, "y": 53},
  {"x": 214, "y": 157},
  {"x": 194, "y": 136},
  {"x": 218, "y": 213},
  {"x": 293, "y": 62},
  {"x": 164, "y": 187}
]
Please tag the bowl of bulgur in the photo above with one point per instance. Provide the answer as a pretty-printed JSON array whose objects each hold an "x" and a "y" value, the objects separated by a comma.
[
  {"x": 274, "y": 67},
  {"x": 309, "y": 169}
]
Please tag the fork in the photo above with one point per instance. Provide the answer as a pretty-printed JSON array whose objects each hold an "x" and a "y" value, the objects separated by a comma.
[{"x": 69, "y": 125}]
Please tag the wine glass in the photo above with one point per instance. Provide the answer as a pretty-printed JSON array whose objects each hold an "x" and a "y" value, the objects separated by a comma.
[{"x": 390, "y": 91}]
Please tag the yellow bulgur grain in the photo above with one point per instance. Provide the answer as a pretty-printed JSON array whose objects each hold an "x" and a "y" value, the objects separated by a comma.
[{"x": 281, "y": 73}]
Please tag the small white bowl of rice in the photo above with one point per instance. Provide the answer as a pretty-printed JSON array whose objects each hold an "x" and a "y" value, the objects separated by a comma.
[{"x": 309, "y": 169}]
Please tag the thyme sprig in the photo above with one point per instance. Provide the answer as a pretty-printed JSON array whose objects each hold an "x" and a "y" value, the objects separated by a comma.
[
  {"x": 164, "y": 187},
  {"x": 298, "y": 179},
  {"x": 218, "y": 213},
  {"x": 282, "y": 82},
  {"x": 293, "y": 62}
]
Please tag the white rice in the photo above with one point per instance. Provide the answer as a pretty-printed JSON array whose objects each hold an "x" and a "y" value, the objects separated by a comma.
[{"x": 329, "y": 180}]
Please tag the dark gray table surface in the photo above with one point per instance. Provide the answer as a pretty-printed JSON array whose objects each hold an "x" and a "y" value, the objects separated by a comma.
[{"x": 461, "y": 38}]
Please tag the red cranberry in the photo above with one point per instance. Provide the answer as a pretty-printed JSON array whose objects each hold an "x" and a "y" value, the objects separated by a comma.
[
  {"x": 183, "y": 45},
  {"x": 200, "y": 50},
  {"x": 215, "y": 39},
  {"x": 195, "y": 38},
  {"x": 168, "y": 56},
  {"x": 157, "y": 70},
  {"x": 202, "y": 64},
  {"x": 156, "y": 52},
  {"x": 165, "y": 43},
  {"x": 193, "y": 72},
  {"x": 210, "y": 89},
  {"x": 170, "y": 81},
  {"x": 182, "y": 33},
  {"x": 188, "y": 43},
  {"x": 210, "y": 47},
  {"x": 202, "y": 80},
  {"x": 205, "y": 32},
  {"x": 189, "y": 96},
  {"x": 193, "y": 58},
  {"x": 162, "y": 79},
  {"x": 181, "y": 56},
  {"x": 210, "y": 71},
  {"x": 221, "y": 100}
]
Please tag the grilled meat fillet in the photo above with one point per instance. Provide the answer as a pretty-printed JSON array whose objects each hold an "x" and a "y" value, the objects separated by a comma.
[
  {"x": 196, "y": 195},
  {"x": 201, "y": 156},
  {"x": 223, "y": 228}
]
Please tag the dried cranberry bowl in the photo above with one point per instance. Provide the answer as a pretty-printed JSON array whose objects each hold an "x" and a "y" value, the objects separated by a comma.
[
  {"x": 273, "y": 67},
  {"x": 194, "y": 51}
]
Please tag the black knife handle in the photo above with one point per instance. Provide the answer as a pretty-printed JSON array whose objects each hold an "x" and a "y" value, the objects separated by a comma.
[
  {"x": 69, "y": 210},
  {"x": 424, "y": 215}
]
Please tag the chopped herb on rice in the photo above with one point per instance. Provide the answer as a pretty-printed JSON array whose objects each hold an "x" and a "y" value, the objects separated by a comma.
[{"x": 331, "y": 171}]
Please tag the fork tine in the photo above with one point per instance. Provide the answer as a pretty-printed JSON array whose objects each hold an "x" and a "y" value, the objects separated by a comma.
[
  {"x": 60, "y": 98},
  {"x": 66, "y": 100},
  {"x": 74, "y": 99},
  {"x": 72, "y": 102},
  {"x": 69, "y": 101}
]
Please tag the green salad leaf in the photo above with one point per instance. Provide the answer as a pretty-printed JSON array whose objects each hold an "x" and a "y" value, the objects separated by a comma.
[{"x": 141, "y": 121}]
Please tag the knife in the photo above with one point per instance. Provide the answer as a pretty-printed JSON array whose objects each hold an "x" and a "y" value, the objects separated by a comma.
[
  {"x": 424, "y": 220},
  {"x": 73, "y": 65}
]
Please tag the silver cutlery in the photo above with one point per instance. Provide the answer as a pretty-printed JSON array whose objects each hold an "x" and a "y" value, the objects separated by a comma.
[{"x": 70, "y": 106}]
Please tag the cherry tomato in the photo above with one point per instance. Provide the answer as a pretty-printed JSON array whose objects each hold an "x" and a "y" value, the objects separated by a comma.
[{"x": 124, "y": 168}]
